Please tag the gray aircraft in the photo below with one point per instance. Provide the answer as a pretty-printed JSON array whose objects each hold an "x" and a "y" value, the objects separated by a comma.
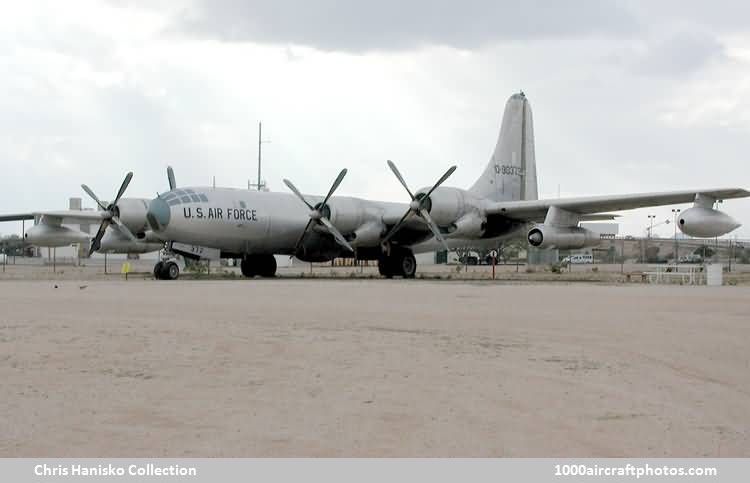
[{"x": 205, "y": 222}]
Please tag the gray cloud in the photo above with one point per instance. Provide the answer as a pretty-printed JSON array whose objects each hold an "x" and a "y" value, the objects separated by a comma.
[
  {"x": 395, "y": 25},
  {"x": 718, "y": 16},
  {"x": 680, "y": 54},
  {"x": 670, "y": 55}
]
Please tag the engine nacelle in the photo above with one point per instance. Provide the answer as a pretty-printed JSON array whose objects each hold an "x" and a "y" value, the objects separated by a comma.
[
  {"x": 44, "y": 235},
  {"x": 368, "y": 235},
  {"x": 471, "y": 225},
  {"x": 705, "y": 222},
  {"x": 132, "y": 212},
  {"x": 115, "y": 242},
  {"x": 565, "y": 237},
  {"x": 446, "y": 205},
  {"x": 348, "y": 214}
]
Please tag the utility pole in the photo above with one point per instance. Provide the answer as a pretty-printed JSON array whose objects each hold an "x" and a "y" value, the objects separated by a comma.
[
  {"x": 260, "y": 144},
  {"x": 675, "y": 213},
  {"x": 651, "y": 229},
  {"x": 260, "y": 184}
]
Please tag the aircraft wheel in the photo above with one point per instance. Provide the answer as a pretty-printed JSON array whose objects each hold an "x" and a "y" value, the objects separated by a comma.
[
  {"x": 170, "y": 271},
  {"x": 401, "y": 262},
  {"x": 407, "y": 264},
  {"x": 258, "y": 265},
  {"x": 385, "y": 268},
  {"x": 157, "y": 270},
  {"x": 248, "y": 268},
  {"x": 268, "y": 266}
]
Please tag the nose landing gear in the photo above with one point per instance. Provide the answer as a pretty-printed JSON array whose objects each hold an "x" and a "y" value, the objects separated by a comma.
[{"x": 167, "y": 268}]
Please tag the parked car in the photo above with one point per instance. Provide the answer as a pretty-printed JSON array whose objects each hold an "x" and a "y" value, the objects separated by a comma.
[
  {"x": 469, "y": 260},
  {"x": 692, "y": 258},
  {"x": 578, "y": 259}
]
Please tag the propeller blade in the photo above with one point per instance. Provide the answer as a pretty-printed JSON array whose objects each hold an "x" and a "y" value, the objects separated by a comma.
[
  {"x": 335, "y": 185},
  {"x": 434, "y": 228},
  {"x": 124, "y": 229},
  {"x": 170, "y": 177},
  {"x": 418, "y": 207},
  {"x": 397, "y": 226},
  {"x": 302, "y": 236},
  {"x": 299, "y": 195},
  {"x": 123, "y": 187},
  {"x": 93, "y": 196},
  {"x": 400, "y": 178},
  {"x": 336, "y": 234},
  {"x": 441, "y": 180},
  {"x": 97, "y": 241}
]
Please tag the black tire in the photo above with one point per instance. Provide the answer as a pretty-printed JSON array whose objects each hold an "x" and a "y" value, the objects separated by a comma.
[
  {"x": 158, "y": 269},
  {"x": 401, "y": 263},
  {"x": 258, "y": 265},
  {"x": 407, "y": 265},
  {"x": 268, "y": 266},
  {"x": 248, "y": 268},
  {"x": 170, "y": 271},
  {"x": 384, "y": 267}
]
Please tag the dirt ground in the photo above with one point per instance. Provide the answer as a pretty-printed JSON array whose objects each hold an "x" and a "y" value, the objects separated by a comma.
[{"x": 372, "y": 368}]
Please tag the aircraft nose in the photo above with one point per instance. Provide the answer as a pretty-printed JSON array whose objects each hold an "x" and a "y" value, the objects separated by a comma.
[{"x": 158, "y": 214}]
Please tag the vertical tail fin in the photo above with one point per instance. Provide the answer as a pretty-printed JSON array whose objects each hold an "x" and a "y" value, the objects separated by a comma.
[{"x": 511, "y": 172}]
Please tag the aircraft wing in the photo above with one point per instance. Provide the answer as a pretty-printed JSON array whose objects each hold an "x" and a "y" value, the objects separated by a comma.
[
  {"x": 536, "y": 210},
  {"x": 59, "y": 217},
  {"x": 17, "y": 217}
]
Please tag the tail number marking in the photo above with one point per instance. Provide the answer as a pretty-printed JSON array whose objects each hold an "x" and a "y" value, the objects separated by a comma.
[{"x": 508, "y": 170}]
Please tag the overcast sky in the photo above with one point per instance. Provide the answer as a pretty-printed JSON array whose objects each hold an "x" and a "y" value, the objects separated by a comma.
[{"x": 627, "y": 96}]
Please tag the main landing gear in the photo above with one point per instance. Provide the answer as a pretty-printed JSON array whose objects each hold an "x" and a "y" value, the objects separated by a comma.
[
  {"x": 399, "y": 263},
  {"x": 258, "y": 265}
]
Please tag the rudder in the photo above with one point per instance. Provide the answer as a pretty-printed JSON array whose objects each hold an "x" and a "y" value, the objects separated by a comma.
[{"x": 511, "y": 172}]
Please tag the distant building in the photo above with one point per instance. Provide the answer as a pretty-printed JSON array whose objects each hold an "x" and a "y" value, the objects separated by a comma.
[{"x": 605, "y": 230}]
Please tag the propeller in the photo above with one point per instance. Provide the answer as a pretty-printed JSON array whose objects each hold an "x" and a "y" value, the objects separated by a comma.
[
  {"x": 320, "y": 213},
  {"x": 111, "y": 215},
  {"x": 418, "y": 206},
  {"x": 170, "y": 176}
]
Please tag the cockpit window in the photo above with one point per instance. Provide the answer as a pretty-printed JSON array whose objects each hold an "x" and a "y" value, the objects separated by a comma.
[{"x": 179, "y": 197}]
